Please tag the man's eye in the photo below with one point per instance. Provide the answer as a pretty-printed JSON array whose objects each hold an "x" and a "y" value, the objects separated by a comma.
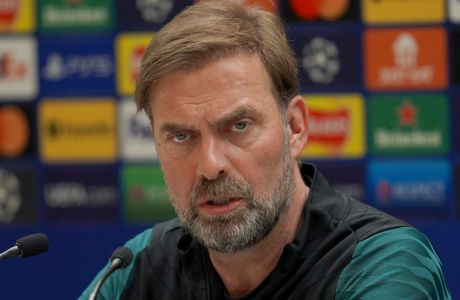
[
  {"x": 181, "y": 137},
  {"x": 240, "y": 126}
]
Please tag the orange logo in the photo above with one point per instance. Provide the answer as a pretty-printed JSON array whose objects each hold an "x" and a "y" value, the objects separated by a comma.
[
  {"x": 14, "y": 131},
  {"x": 411, "y": 59}
]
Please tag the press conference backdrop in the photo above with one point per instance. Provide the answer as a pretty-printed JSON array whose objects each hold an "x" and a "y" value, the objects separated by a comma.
[{"x": 381, "y": 79}]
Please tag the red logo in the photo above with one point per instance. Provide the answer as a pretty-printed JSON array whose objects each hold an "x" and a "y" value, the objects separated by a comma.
[
  {"x": 407, "y": 114},
  {"x": 136, "y": 59},
  {"x": 384, "y": 192},
  {"x": 314, "y": 9},
  {"x": 330, "y": 128},
  {"x": 8, "y": 11},
  {"x": 10, "y": 68}
]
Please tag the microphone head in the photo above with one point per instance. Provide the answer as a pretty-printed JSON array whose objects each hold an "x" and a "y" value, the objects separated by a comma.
[
  {"x": 32, "y": 244},
  {"x": 124, "y": 254}
]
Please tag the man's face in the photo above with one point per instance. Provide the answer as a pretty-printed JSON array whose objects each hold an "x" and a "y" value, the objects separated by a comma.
[{"x": 224, "y": 151}]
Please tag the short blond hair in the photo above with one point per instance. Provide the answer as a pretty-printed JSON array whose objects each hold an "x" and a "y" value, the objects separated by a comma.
[{"x": 211, "y": 30}]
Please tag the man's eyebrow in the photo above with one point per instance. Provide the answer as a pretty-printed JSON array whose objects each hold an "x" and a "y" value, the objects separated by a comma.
[
  {"x": 239, "y": 113},
  {"x": 175, "y": 127}
]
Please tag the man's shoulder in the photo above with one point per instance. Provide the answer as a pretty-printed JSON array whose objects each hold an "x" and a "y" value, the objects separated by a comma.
[{"x": 399, "y": 261}]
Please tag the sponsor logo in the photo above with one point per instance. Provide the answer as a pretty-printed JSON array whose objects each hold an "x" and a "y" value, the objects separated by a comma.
[
  {"x": 402, "y": 11},
  {"x": 409, "y": 185},
  {"x": 69, "y": 133},
  {"x": 18, "y": 64},
  {"x": 90, "y": 71},
  {"x": 17, "y": 15},
  {"x": 58, "y": 67},
  {"x": 336, "y": 125},
  {"x": 405, "y": 58},
  {"x": 145, "y": 194},
  {"x": 74, "y": 193},
  {"x": 10, "y": 197},
  {"x": 328, "y": 57},
  {"x": 136, "y": 139},
  {"x": 330, "y": 128},
  {"x": 321, "y": 60},
  {"x": 8, "y": 11},
  {"x": 14, "y": 131},
  {"x": 409, "y": 124},
  {"x": 154, "y": 11},
  {"x": 328, "y": 10},
  {"x": 56, "y": 15},
  {"x": 454, "y": 11},
  {"x": 18, "y": 200},
  {"x": 89, "y": 191},
  {"x": 130, "y": 49}
]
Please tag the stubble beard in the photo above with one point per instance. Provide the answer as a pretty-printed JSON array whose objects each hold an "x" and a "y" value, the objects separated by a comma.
[{"x": 247, "y": 224}]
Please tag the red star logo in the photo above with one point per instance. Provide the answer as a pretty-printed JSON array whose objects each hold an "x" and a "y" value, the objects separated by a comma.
[{"x": 407, "y": 114}]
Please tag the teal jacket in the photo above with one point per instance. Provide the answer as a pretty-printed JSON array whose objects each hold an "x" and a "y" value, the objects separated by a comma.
[{"x": 343, "y": 250}]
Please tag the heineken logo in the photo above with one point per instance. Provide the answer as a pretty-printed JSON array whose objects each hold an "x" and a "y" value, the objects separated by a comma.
[{"x": 402, "y": 123}]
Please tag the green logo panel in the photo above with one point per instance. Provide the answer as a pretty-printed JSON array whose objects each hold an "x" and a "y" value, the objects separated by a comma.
[
  {"x": 408, "y": 124},
  {"x": 64, "y": 16},
  {"x": 145, "y": 197}
]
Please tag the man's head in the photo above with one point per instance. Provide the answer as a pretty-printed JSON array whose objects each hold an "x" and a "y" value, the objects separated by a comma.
[
  {"x": 227, "y": 129},
  {"x": 211, "y": 30}
]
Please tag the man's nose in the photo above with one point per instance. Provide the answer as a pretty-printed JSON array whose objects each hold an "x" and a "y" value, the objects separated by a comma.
[{"x": 212, "y": 159}]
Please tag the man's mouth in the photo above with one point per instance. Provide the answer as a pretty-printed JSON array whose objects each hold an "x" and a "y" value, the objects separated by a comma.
[{"x": 220, "y": 205}]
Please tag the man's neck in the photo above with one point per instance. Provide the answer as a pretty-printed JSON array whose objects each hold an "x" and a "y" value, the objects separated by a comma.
[{"x": 241, "y": 272}]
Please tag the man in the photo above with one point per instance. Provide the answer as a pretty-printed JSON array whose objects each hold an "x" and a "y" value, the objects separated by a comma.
[{"x": 219, "y": 83}]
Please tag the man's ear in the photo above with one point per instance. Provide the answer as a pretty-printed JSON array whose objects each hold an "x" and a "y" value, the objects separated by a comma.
[{"x": 297, "y": 113}]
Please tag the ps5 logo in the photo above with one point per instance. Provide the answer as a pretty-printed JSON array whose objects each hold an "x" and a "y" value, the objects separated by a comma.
[{"x": 77, "y": 66}]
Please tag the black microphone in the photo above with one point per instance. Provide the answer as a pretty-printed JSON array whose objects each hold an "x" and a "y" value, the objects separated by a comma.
[
  {"x": 121, "y": 258},
  {"x": 27, "y": 246}
]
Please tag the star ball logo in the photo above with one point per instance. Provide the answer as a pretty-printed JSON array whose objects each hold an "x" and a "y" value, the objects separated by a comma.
[
  {"x": 10, "y": 196},
  {"x": 155, "y": 11},
  {"x": 321, "y": 60}
]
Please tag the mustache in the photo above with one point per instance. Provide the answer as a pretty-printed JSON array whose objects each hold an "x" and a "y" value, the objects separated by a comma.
[{"x": 228, "y": 186}]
